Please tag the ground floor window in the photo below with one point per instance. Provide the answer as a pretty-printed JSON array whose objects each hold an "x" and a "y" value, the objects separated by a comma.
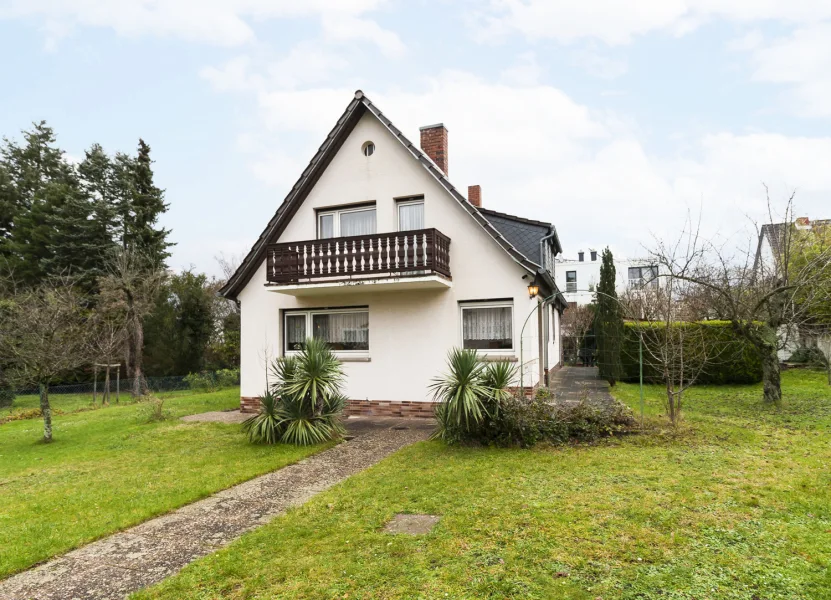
[
  {"x": 488, "y": 326},
  {"x": 345, "y": 330}
]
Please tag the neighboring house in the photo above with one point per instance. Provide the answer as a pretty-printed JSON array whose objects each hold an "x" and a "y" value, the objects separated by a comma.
[
  {"x": 376, "y": 252},
  {"x": 578, "y": 278},
  {"x": 771, "y": 252}
]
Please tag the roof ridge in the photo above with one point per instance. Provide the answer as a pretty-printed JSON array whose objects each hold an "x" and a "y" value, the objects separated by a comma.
[{"x": 515, "y": 217}]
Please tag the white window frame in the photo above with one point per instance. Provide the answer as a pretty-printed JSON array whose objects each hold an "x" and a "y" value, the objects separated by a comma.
[
  {"x": 571, "y": 286},
  {"x": 309, "y": 314},
  {"x": 466, "y": 305},
  {"x": 337, "y": 212},
  {"x": 408, "y": 202}
]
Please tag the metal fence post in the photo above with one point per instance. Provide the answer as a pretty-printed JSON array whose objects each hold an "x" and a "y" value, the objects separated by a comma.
[{"x": 640, "y": 366}]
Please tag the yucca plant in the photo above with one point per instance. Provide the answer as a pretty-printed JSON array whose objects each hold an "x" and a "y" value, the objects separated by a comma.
[
  {"x": 265, "y": 427},
  {"x": 461, "y": 390},
  {"x": 305, "y": 403},
  {"x": 497, "y": 378},
  {"x": 303, "y": 428},
  {"x": 315, "y": 377}
]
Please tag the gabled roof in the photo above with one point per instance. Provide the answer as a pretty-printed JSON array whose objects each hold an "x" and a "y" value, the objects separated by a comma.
[
  {"x": 524, "y": 234},
  {"x": 360, "y": 105}
]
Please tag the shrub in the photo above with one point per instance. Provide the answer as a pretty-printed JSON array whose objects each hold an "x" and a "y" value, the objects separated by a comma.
[
  {"x": 737, "y": 361},
  {"x": 804, "y": 355},
  {"x": 305, "y": 405},
  {"x": 476, "y": 406},
  {"x": 227, "y": 378},
  {"x": 152, "y": 411},
  {"x": 202, "y": 382}
]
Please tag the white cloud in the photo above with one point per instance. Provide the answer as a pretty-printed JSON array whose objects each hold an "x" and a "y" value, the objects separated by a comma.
[
  {"x": 525, "y": 72},
  {"x": 801, "y": 60},
  {"x": 598, "y": 64},
  {"x": 220, "y": 22},
  {"x": 615, "y": 22},
  {"x": 538, "y": 153}
]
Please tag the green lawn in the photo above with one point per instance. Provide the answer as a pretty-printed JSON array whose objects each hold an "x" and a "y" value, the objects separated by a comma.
[
  {"x": 737, "y": 505},
  {"x": 68, "y": 403},
  {"x": 107, "y": 470}
]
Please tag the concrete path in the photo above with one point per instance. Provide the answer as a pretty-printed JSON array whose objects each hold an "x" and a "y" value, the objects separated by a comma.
[
  {"x": 573, "y": 384},
  {"x": 128, "y": 561}
]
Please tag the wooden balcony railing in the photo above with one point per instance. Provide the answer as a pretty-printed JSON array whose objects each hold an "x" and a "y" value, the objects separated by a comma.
[{"x": 379, "y": 254}]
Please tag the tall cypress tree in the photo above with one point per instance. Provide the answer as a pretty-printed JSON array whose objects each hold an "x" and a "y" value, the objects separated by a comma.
[{"x": 608, "y": 322}]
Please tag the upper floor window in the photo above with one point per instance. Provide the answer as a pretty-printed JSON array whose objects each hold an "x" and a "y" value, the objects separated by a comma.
[
  {"x": 571, "y": 281},
  {"x": 346, "y": 222},
  {"x": 368, "y": 148},
  {"x": 641, "y": 277},
  {"x": 411, "y": 214}
]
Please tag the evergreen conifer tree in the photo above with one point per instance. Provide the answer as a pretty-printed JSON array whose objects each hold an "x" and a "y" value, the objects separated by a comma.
[{"x": 608, "y": 322}]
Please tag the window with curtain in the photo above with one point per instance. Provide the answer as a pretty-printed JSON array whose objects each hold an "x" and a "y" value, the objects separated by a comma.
[
  {"x": 346, "y": 222},
  {"x": 343, "y": 330},
  {"x": 295, "y": 332},
  {"x": 571, "y": 281},
  {"x": 411, "y": 215},
  {"x": 487, "y": 326}
]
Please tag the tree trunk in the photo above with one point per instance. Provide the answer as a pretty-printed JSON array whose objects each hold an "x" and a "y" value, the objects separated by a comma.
[
  {"x": 771, "y": 377},
  {"x": 105, "y": 397},
  {"x": 46, "y": 411},
  {"x": 139, "y": 384}
]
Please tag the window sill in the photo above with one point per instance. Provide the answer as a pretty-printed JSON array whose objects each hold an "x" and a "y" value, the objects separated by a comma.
[
  {"x": 353, "y": 357},
  {"x": 498, "y": 358}
]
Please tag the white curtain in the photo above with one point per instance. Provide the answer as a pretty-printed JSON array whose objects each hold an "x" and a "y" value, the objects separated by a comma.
[
  {"x": 361, "y": 222},
  {"x": 343, "y": 331},
  {"x": 295, "y": 334},
  {"x": 491, "y": 323},
  {"x": 410, "y": 217},
  {"x": 327, "y": 227}
]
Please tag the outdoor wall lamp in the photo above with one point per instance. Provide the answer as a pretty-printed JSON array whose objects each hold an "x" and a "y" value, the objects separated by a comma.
[{"x": 533, "y": 289}]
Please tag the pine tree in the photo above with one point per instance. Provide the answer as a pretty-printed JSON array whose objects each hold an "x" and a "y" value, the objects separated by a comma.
[
  {"x": 35, "y": 182},
  {"x": 608, "y": 322},
  {"x": 142, "y": 232}
]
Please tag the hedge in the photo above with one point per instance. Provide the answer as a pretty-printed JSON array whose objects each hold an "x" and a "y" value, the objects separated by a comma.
[{"x": 738, "y": 361}]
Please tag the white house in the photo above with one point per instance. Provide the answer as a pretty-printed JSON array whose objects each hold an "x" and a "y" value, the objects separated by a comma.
[
  {"x": 578, "y": 278},
  {"x": 377, "y": 253},
  {"x": 772, "y": 251}
]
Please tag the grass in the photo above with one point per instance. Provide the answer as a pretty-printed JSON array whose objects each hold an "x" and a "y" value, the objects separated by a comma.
[
  {"x": 734, "y": 505},
  {"x": 107, "y": 470},
  {"x": 70, "y": 403}
]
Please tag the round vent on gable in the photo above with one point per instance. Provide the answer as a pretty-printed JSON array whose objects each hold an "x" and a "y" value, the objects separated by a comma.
[{"x": 368, "y": 148}]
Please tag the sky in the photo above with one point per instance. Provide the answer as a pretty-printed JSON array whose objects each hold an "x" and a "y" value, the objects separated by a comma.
[{"x": 614, "y": 121}]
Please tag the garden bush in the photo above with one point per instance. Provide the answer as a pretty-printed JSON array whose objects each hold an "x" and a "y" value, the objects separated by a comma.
[
  {"x": 152, "y": 410},
  {"x": 737, "y": 361},
  {"x": 812, "y": 357},
  {"x": 7, "y": 397},
  {"x": 475, "y": 406},
  {"x": 305, "y": 404},
  {"x": 210, "y": 382}
]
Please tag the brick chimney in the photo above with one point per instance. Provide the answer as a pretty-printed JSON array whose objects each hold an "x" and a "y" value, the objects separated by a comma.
[
  {"x": 474, "y": 195},
  {"x": 434, "y": 144}
]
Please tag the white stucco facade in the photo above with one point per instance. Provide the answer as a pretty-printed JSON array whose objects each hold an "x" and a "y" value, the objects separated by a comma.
[
  {"x": 587, "y": 273},
  {"x": 410, "y": 330}
]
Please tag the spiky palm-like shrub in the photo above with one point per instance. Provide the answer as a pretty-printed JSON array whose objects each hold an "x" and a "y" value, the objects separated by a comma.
[
  {"x": 305, "y": 403},
  {"x": 469, "y": 394},
  {"x": 265, "y": 427}
]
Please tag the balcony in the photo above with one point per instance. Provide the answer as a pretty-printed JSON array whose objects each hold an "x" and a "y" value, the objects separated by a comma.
[{"x": 386, "y": 261}]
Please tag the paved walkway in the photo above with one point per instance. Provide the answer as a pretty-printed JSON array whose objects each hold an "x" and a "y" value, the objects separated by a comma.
[
  {"x": 572, "y": 384},
  {"x": 125, "y": 562}
]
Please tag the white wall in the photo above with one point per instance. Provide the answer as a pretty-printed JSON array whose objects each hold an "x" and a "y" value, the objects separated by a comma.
[
  {"x": 588, "y": 276},
  {"x": 410, "y": 332}
]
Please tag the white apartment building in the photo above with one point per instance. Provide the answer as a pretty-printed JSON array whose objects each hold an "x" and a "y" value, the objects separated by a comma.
[{"x": 578, "y": 278}]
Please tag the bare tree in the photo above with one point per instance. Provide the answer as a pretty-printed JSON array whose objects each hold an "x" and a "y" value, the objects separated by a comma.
[
  {"x": 576, "y": 323},
  {"x": 108, "y": 329},
  {"x": 759, "y": 298},
  {"x": 130, "y": 287},
  {"x": 44, "y": 335},
  {"x": 673, "y": 343}
]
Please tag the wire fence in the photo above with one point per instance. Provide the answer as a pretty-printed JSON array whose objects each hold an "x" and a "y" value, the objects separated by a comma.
[{"x": 82, "y": 396}]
